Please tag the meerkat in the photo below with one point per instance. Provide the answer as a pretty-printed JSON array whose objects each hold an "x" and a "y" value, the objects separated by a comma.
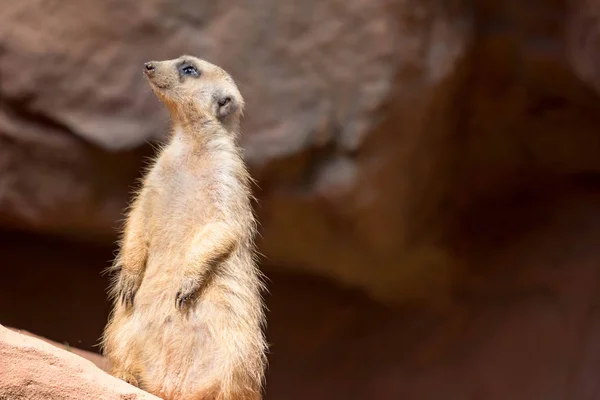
[{"x": 188, "y": 316}]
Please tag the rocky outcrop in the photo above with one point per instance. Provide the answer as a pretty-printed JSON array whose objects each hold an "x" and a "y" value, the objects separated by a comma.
[
  {"x": 339, "y": 97},
  {"x": 34, "y": 369},
  {"x": 377, "y": 130},
  {"x": 95, "y": 358}
]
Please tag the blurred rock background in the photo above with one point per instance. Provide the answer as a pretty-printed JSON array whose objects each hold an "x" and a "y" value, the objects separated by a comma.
[{"x": 427, "y": 181}]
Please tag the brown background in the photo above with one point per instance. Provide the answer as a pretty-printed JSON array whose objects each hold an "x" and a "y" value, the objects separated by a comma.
[{"x": 427, "y": 170}]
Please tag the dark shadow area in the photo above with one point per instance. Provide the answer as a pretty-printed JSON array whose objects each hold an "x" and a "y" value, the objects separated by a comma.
[{"x": 521, "y": 323}]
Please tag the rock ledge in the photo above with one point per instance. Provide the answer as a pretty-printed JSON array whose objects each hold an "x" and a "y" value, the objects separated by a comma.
[{"x": 31, "y": 368}]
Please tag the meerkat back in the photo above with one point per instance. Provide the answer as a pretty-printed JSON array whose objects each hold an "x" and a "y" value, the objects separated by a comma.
[{"x": 188, "y": 315}]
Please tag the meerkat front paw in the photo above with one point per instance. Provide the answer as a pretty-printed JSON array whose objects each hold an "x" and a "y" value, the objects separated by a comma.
[
  {"x": 188, "y": 289},
  {"x": 127, "y": 286}
]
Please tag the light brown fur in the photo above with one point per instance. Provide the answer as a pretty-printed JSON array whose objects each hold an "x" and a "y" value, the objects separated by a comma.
[{"x": 188, "y": 315}]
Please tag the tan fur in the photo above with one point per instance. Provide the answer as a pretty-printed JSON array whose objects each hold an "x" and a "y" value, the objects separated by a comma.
[{"x": 188, "y": 315}]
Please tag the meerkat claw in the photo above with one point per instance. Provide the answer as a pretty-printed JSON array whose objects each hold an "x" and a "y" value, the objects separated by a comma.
[
  {"x": 189, "y": 287},
  {"x": 179, "y": 300},
  {"x": 128, "y": 299},
  {"x": 182, "y": 299},
  {"x": 127, "y": 291}
]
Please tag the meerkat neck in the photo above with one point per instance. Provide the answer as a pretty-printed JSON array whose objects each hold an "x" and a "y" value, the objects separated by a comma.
[
  {"x": 204, "y": 136},
  {"x": 193, "y": 120},
  {"x": 202, "y": 131}
]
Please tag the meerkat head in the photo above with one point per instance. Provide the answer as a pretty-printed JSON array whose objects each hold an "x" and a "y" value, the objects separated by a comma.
[{"x": 193, "y": 88}]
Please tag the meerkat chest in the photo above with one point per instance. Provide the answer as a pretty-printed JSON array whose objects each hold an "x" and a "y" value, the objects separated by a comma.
[{"x": 180, "y": 202}]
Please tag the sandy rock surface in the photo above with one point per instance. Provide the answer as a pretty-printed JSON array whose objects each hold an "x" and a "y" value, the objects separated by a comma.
[
  {"x": 96, "y": 358},
  {"x": 34, "y": 369}
]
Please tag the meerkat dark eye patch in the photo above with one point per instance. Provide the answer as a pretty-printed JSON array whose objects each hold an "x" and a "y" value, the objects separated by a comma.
[
  {"x": 188, "y": 69},
  {"x": 225, "y": 105}
]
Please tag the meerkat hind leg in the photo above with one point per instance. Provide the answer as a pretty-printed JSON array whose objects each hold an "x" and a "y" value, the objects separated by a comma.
[{"x": 125, "y": 376}]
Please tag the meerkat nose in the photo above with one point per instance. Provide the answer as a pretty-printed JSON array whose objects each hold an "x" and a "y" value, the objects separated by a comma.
[{"x": 149, "y": 67}]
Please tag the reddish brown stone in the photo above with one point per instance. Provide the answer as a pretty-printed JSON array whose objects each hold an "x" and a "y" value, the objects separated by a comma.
[{"x": 34, "y": 369}]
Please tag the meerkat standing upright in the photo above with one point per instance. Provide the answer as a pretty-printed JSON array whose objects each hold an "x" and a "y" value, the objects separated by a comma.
[{"x": 188, "y": 314}]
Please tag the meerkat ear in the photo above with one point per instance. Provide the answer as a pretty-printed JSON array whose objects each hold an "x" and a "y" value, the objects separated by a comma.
[{"x": 226, "y": 105}]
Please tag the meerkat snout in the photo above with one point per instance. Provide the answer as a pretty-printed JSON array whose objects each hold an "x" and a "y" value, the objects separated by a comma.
[{"x": 148, "y": 67}]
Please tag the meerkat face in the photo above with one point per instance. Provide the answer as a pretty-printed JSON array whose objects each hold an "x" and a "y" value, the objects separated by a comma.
[{"x": 188, "y": 80}]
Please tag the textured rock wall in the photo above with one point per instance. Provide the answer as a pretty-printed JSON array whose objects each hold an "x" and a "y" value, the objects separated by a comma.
[{"x": 378, "y": 130}]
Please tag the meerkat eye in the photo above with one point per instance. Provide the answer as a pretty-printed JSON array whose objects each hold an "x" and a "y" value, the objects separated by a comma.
[{"x": 188, "y": 69}]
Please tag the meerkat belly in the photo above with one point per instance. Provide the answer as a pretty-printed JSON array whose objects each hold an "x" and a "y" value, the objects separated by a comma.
[
  {"x": 182, "y": 349},
  {"x": 173, "y": 340},
  {"x": 178, "y": 212},
  {"x": 177, "y": 347}
]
